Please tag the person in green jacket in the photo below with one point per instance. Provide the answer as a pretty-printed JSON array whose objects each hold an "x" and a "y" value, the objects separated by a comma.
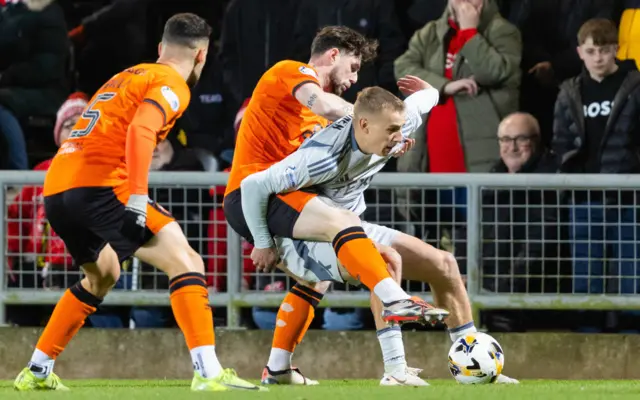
[{"x": 472, "y": 56}]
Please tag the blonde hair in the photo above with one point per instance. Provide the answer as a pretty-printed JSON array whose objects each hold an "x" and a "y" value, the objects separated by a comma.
[{"x": 375, "y": 99}]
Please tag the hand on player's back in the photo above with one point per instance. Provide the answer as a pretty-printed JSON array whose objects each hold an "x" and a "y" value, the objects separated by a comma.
[
  {"x": 410, "y": 84},
  {"x": 265, "y": 260}
]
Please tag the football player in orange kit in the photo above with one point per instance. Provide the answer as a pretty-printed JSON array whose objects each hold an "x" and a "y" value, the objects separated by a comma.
[
  {"x": 96, "y": 199},
  {"x": 292, "y": 101}
]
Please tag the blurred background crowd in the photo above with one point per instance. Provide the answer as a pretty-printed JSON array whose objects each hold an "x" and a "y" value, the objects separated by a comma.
[{"x": 517, "y": 97}]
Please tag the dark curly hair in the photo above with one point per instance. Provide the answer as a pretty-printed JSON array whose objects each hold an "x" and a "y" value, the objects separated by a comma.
[{"x": 346, "y": 40}]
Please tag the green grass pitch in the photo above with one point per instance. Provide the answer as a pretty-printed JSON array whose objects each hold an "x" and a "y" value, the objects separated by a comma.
[{"x": 338, "y": 390}]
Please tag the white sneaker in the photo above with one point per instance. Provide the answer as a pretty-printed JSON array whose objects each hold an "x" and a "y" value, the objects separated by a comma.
[
  {"x": 291, "y": 376},
  {"x": 411, "y": 378},
  {"x": 503, "y": 379}
]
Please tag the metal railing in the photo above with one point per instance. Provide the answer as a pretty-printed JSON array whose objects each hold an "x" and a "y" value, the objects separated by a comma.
[{"x": 519, "y": 240}]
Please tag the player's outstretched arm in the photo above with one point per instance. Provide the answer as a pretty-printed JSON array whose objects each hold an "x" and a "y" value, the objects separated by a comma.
[
  {"x": 324, "y": 104},
  {"x": 420, "y": 101}
]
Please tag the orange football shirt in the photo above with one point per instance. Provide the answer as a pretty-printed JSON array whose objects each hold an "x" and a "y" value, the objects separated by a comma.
[
  {"x": 94, "y": 154},
  {"x": 274, "y": 124}
]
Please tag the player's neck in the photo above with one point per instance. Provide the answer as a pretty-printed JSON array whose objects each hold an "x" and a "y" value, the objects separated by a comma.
[
  {"x": 356, "y": 139},
  {"x": 322, "y": 70},
  {"x": 181, "y": 69}
]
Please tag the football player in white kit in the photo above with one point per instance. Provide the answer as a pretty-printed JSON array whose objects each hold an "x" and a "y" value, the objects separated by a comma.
[{"x": 338, "y": 164}]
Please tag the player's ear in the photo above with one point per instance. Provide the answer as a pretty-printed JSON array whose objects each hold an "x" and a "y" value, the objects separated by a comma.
[
  {"x": 364, "y": 124},
  {"x": 334, "y": 53},
  {"x": 159, "y": 49},
  {"x": 201, "y": 56}
]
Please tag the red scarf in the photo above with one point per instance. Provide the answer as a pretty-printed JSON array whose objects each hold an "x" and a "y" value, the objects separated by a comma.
[{"x": 445, "y": 150}]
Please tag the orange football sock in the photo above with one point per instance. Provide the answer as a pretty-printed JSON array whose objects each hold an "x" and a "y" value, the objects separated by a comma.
[
  {"x": 292, "y": 322},
  {"x": 73, "y": 308},
  {"x": 360, "y": 257},
  {"x": 190, "y": 305},
  {"x": 294, "y": 317}
]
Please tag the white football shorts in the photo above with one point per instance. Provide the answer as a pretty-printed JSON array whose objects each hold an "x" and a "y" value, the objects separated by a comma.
[{"x": 314, "y": 262}]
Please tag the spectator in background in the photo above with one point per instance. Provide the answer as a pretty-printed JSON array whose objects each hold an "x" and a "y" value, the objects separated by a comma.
[
  {"x": 30, "y": 240},
  {"x": 256, "y": 34},
  {"x": 472, "y": 56},
  {"x": 549, "y": 56},
  {"x": 521, "y": 237},
  {"x": 375, "y": 19},
  {"x": 110, "y": 40},
  {"x": 597, "y": 130},
  {"x": 34, "y": 53},
  {"x": 520, "y": 227}
]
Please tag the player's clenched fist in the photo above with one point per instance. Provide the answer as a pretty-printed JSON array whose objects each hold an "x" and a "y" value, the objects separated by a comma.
[
  {"x": 135, "y": 217},
  {"x": 265, "y": 259}
]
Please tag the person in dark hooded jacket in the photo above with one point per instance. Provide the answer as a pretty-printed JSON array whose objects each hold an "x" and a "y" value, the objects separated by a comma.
[
  {"x": 596, "y": 130},
  {"x": 549, "y": 56}
]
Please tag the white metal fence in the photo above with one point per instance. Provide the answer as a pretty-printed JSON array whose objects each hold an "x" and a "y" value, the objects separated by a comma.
[{"x": 522, "y": 241}]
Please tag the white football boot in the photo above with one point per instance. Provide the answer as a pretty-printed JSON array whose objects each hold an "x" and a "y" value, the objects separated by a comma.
[
  {"x": 413, "y": 309},
  {"x": 291, "y": 376},
  {"x": 411, "y": 378},
  {"x": 503, "y": 379}
]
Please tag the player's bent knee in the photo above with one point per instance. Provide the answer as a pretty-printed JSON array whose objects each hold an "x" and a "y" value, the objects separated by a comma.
[
  {"x": 349, "y": 219},
  {"x": 170, "y": 252},
  {"x": 341, "y": 220},
  {"x": 104, "y": 273},
  {"x": 197, "y": 263},
  {"x": 448, "y": 266},
  {"x": 321, "y": 222},
  {"x": 179, "y": 261}
]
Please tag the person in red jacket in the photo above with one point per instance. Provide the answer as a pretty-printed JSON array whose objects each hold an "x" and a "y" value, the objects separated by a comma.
[{"x": 30, "y": 238}]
